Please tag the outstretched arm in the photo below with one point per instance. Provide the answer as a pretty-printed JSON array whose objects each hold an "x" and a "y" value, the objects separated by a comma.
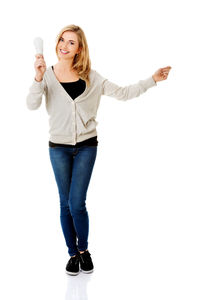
[{"x": 134, "y": 90}]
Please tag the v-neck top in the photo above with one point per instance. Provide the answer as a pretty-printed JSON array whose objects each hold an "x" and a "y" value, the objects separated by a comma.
[
  {"x": 73, "y": 120},
  {"x": 74, "y": 88}
]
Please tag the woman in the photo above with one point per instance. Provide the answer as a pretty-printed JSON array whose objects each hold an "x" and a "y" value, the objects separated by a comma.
[{"x": 72, "y": 93}]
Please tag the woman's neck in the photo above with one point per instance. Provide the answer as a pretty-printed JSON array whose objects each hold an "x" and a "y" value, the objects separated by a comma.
[{"x": 64, "y": 66}]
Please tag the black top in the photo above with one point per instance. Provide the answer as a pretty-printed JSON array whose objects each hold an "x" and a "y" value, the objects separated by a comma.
[{"x": 74, "y": 89}]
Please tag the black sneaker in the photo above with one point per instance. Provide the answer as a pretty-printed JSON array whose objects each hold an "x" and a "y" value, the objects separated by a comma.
[
  {"x": 86, "y": 264},
  {"x": 72, "y": 267}
]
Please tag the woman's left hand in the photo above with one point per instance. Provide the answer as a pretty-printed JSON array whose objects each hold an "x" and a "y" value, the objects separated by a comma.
[{"x": 161, "y": 74}]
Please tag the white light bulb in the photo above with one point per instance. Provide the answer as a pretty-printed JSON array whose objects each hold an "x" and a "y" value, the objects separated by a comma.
[{"x": 38, "y": 43}]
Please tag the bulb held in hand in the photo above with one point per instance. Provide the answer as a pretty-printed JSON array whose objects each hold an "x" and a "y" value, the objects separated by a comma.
[{"x": 38, "y": 43}]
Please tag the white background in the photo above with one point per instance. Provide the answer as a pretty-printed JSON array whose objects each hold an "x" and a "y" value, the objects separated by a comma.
[{"x": 143, "y": 197}]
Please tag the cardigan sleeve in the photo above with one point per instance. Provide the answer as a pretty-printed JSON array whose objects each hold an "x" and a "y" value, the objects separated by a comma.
[
  {"x": 125, "y": 92},
  {"x": 36, "y": 91}
]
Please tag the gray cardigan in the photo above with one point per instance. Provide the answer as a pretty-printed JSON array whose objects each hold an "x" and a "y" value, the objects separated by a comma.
[{"x": 72, "y": 121}]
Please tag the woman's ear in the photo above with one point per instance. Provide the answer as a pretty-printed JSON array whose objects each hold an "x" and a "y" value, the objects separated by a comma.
[{"x": 80, "y": 49}]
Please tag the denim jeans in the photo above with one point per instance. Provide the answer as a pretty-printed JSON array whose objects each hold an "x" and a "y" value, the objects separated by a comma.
[{"x": 72, "y": 169}]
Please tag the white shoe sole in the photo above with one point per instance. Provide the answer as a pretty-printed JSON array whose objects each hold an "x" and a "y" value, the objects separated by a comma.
[
  {"x": 87, "y": 272},
  {"x": 72, "y": 273}
]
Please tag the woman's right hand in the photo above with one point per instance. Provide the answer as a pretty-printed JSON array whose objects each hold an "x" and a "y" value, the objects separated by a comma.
[{"x": 40, "y": 67}]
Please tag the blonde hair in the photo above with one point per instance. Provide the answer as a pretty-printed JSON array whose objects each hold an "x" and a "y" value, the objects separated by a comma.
[{"x": 81, "y": 62}]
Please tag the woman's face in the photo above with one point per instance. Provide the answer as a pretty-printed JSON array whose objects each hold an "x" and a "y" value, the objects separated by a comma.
[{"x": 68, "y": 42}]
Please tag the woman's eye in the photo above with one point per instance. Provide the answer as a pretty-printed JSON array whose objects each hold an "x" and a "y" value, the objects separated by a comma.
[{"x": 70, "y": 42}]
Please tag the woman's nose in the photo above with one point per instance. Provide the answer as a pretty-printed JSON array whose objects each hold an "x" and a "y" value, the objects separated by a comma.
[{"x": 66, "y": 44}]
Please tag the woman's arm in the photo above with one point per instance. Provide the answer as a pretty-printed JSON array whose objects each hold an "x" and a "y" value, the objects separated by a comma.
[
  {"x": 134, "y": 90},
  {"x": 127, "y": 92},
  {"x": 36, "y": 91}
]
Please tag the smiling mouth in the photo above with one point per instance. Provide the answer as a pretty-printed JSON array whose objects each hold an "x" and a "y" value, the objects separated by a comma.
[{"x": 64, "y": 52}]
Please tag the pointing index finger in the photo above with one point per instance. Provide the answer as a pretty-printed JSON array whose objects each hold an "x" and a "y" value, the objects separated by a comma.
[{"x": 166, "y": 68}]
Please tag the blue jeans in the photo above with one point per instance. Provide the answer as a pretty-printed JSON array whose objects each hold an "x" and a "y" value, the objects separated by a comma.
[{"x": 72, "y": 170}]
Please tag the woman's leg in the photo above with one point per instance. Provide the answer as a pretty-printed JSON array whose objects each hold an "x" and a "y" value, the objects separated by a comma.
[
  {"x": 83, "y": 164},
  {"x": 62, "y": 164}
]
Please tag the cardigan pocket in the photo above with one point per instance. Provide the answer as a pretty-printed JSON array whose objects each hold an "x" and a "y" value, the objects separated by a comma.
[{"x": 85, "y": 126}]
